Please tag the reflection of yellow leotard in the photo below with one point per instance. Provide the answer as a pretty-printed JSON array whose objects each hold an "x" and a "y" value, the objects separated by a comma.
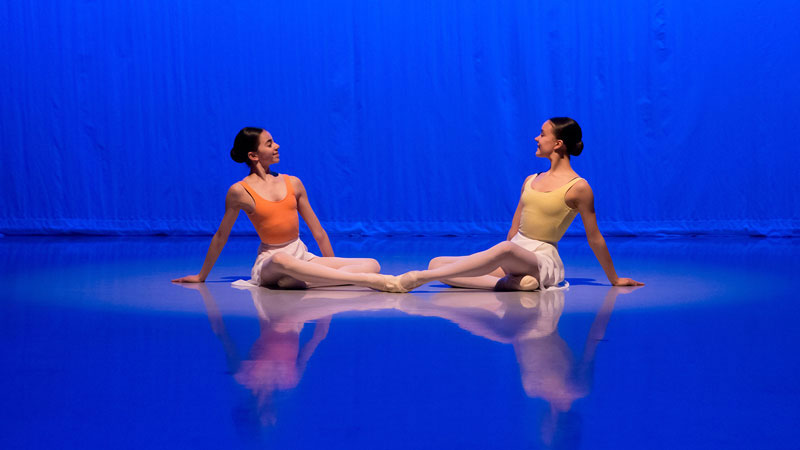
[
  {"x": 275, "y": 222},
  {"x": 545, "y": 215}
]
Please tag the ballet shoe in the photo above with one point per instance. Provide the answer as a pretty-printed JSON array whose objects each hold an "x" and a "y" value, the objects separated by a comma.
[
  {"x": 385, "y": 283},
  {"x": 393, "y": 284},
  {"x": 517, "y": 283},
  {"x": 410, "y": 280},
  {"x": 528, "y": 283}
]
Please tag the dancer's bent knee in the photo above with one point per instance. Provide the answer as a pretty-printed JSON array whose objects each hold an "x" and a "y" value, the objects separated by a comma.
[
  {"x": 373, "y": 266},
  {"x": 281, "y": 261},
  {"x": 508, "y": 247},
  {"x": 437, "y": 262}
]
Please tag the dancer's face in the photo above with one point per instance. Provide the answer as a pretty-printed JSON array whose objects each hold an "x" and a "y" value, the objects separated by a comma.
[
  {"x": 546, "y": 141},
  {"x": 267, "y": 152}
]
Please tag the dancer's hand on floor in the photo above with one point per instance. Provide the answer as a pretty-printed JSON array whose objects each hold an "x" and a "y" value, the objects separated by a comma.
[
  {"x": 189, "y": 279},
  {"x": 624, "y": 290},
  {"x": 627, "y": 282}
]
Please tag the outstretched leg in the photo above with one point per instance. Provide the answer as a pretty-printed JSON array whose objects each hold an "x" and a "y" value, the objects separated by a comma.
[
  {"x": 488, "y": 281},
  {"x": 282, "y": 265},
  {"x": 520, "y": 266},
  {"x": 351, "y": 265}
]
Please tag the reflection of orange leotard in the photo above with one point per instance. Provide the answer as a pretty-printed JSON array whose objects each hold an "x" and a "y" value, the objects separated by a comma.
[{"x": 275, "y": 222}]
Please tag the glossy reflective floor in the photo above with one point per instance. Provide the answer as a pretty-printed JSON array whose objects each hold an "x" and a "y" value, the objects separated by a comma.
[{"x": 100, "y": 350}]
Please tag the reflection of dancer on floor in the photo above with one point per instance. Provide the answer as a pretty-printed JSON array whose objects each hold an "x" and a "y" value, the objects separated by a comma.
[
  {"x": 272, "y": 202},
  {"x": 548, "y": 204},
  {"x": 277, "y": 361},
  {"x": 547, "y": 366}
]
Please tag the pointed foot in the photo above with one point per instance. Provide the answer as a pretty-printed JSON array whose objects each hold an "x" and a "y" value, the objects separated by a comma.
[
  {"x": 411, "y": 280},
  {"x": 385, "y": 283},
  {"x": 517, "y": 283}
]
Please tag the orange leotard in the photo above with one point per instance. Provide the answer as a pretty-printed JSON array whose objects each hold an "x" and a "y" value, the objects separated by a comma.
[{"x": 275, "y": 222}]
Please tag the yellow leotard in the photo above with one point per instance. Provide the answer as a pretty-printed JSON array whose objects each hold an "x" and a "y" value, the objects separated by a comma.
[{"x": 545, "y": 215}]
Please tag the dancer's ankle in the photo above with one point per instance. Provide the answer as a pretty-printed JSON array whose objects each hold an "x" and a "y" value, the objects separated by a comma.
[
  {"x": 517, "y": 283},
  {"x": 413, "y": 279}
]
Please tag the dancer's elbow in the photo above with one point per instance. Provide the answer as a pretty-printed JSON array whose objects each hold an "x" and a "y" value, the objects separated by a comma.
[
  {"x": 319, "y": 235},
  {"x": 596, "y": 240}
]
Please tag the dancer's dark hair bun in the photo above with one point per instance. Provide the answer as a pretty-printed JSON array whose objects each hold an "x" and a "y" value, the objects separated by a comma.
[
  {"x": 237, "y": 156},
  {"x": 569, "y": 131},
  {"x": 578, "y": 149},
  {"x": 246, "y": 141}
]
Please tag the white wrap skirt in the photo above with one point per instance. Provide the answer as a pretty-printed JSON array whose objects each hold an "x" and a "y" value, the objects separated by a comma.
[
  {"x": 295, "y": 248},
  {"x": 551, "y": 269}
]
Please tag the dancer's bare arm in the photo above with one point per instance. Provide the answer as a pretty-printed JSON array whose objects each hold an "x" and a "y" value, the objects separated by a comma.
[
  {"x": 320, "y": 332},
  {"x": 581, "y": 197},
  {"x": 217, "y": 325},
  {"x": 304, "y": 208},
  {"x": 518, "y": 212},
  {"x": 236, "y": 200}
]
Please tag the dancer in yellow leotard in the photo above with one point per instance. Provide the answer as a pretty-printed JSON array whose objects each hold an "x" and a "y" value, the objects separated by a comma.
[{"x": 529, "y": 259}]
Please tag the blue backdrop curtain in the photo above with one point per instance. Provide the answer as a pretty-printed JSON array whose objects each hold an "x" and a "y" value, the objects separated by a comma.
[{"x": 399, "y": 116}]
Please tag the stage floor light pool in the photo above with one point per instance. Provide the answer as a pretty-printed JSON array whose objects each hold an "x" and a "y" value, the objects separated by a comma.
[{"x": 100, "y": 350}]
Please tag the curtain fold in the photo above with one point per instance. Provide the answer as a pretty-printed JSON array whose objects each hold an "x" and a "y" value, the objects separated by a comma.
[{"x": 410, "y": 117}]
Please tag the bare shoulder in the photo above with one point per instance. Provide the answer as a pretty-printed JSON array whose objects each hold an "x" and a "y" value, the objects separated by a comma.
[
  {"x": 296, "y": 183},
  {"x": 236, "y": 190},
  {"x": 580, "y": 194},
  {"x": 238, "y": 197},
  {"x": 582, "y": 187}
]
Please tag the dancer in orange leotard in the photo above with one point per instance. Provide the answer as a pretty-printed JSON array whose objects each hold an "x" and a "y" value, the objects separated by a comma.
[{"x": 272, "y": 202}]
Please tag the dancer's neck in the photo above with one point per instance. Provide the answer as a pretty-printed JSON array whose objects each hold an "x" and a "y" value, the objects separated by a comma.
[
  {"x": 262, "y": 172},
  {"x": 559, "y": 165}
]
